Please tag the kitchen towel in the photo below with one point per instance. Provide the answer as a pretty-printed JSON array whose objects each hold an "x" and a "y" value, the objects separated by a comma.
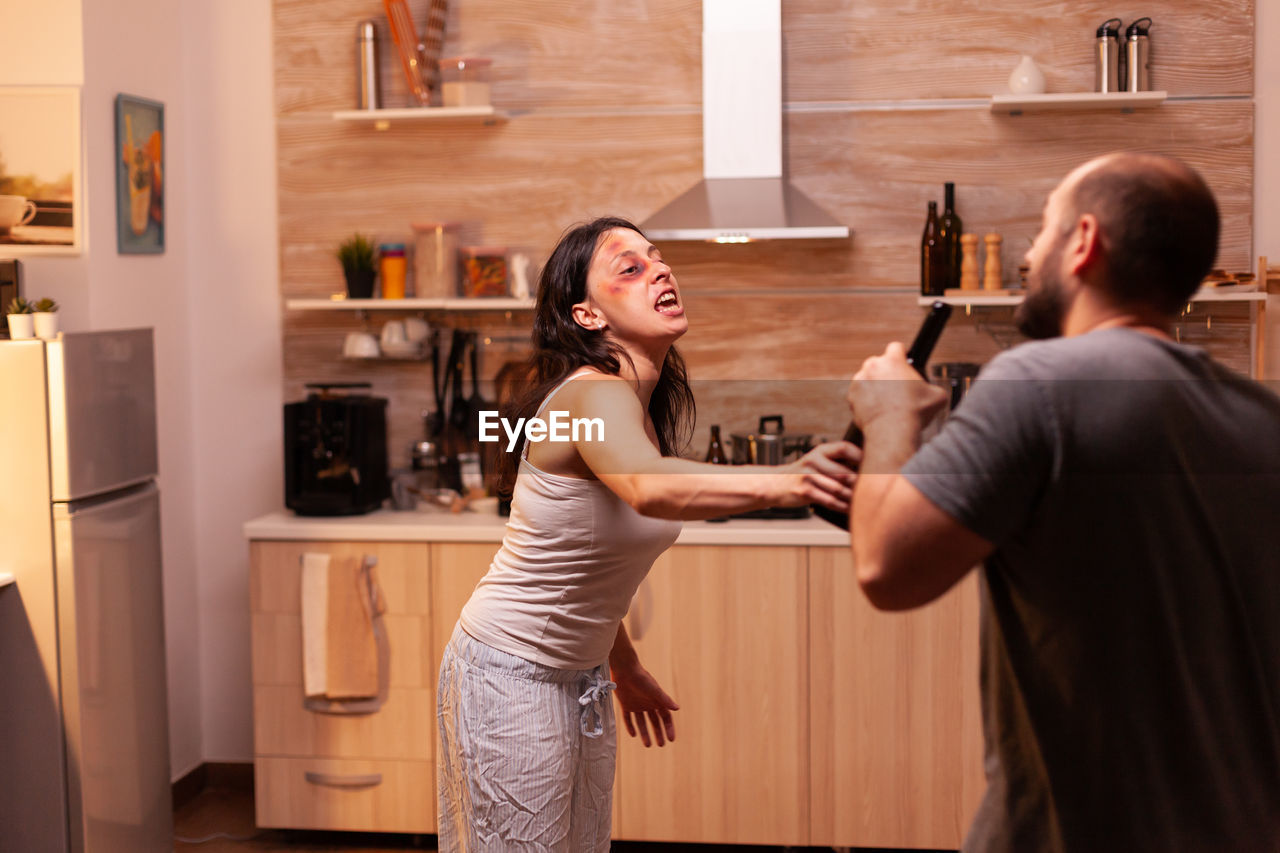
[
  {"x": 315, "y": 623},
  {"x": 345, "y": 653},
  {"x": 352, "y": 653}
]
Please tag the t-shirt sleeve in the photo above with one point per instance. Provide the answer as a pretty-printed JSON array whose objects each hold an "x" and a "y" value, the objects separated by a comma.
[{"x": 991, "y": 462}]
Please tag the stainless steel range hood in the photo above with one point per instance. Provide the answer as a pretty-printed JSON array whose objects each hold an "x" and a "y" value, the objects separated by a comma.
[{"x": 743, "y": 195}]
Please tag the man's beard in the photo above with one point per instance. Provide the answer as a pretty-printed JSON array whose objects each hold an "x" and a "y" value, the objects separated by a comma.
[{"x": 1041, "y": 313}]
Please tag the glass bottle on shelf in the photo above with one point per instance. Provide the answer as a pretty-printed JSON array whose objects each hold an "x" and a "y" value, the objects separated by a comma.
[
  {"x": 933, "y": 262},
  {"x": 715, "y": 450},
  {"x": 949, "y": 230}
]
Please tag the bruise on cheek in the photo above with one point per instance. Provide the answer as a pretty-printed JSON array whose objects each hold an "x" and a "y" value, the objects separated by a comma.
[{"x": 615, "y": 289}]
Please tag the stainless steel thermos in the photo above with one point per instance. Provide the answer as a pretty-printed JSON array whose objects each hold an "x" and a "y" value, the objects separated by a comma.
[
  {"x": 1137, "y": 49},
  {"x": 368, "y": 92},
  {"x": 1106, "y": 56}
]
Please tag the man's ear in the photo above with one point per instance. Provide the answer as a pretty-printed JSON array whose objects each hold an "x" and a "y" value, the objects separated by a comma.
[
  {"x": 1084, "y": 248},
  {"x": 585, "y": 315}
]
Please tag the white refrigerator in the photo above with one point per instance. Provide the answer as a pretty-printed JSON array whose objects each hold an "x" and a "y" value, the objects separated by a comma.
[{"x": 84, "y": 740}]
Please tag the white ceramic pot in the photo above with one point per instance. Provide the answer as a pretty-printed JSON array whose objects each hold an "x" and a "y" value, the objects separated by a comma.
[
  {"x": 1027, "y": 78},
  {"x": 46, "y": 325},
  {"x": 22, "y": 326}
]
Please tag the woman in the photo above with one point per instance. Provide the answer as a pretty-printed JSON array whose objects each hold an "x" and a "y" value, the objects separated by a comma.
[{"x": 526, "y": 725}]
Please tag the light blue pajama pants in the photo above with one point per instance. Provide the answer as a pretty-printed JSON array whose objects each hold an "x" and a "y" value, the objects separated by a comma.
[{"x": 526, "y": 753}]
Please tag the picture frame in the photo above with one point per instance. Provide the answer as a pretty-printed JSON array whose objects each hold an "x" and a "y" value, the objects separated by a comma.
[
  {"x": 41, "y": 168},
  {"x": 139, "y": 175}
]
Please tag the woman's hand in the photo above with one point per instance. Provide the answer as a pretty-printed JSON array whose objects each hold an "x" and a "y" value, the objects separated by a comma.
[
  {"x": 824, "y": 476},
  {"x": 644, "y": 704}
]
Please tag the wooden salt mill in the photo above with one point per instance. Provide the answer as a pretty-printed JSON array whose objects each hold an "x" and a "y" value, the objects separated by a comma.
[
  {"x": 992, "y": 273},
  {"x": 969, "y": 262}
]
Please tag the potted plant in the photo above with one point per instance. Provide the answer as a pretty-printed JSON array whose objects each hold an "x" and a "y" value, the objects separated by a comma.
[
  {"x": 46, "y": 318},
  {"x": 356, "y": 256},
  {"x": 21, "y": 321}
]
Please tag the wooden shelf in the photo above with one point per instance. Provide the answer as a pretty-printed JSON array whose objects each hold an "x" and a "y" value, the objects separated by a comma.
[
  {"x": 1125, "y": 101},
  {"x": 382, "y": 119},
  {"x": 982, "y": 299},
  {"x": 477, "y": 304}
]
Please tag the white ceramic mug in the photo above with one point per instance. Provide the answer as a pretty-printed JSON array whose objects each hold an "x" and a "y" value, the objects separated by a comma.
[
  {"x": 415, "y": 329},
  {"x": 360, "y": 345},
  {"x": 15, "y": 210},
  {"x": 393, "y": 332}
]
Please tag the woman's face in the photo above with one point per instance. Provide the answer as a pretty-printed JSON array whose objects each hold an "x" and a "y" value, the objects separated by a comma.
[{"x": 631, "y": 292}]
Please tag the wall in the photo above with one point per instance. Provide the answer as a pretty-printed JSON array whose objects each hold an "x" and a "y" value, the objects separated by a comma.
[
  {"x": 873, "y": 127},
  {"x": 210, "y": 298},
  {"x": 234, "y": 327}
]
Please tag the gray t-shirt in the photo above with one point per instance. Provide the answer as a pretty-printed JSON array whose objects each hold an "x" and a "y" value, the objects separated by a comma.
[{"x": 1131, "y": 611}]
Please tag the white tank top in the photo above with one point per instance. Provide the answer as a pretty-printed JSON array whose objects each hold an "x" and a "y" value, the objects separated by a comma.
[{"x": 571, "y": 559}]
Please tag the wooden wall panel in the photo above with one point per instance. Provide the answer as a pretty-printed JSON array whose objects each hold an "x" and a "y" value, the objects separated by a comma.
[
  {"x": 607, "y": 121},
  {"x": 882, "y": 50}
]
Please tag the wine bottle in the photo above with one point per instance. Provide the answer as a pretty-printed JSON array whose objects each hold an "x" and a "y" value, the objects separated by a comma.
[
  {"x": 933, "y": 262},
  {"x": 949, "y": 230},
  {"x": 917, "y": 356},
  {"x": 715, "y": 450}
]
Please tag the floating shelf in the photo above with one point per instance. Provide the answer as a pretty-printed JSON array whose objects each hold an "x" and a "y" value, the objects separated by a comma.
[
  {"x": 382, "y": 119},
  {"x": 1126, "y": 101},
  {"x": 477, "y": 304},
  {"x": 982, "y": 299}
]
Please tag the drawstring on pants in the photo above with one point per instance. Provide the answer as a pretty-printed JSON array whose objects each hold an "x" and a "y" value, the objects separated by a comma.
[{"x": 597, "y": 692}]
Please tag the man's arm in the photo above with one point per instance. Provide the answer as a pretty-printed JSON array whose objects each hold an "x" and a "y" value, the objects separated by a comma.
[{"x": 907, "y": 551}]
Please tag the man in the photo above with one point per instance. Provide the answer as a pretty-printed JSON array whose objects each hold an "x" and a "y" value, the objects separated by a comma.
[{"x": 1121, "y": 491}]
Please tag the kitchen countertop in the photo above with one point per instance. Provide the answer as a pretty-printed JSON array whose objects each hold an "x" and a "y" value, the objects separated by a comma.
[{"x": 431, "y": 525}]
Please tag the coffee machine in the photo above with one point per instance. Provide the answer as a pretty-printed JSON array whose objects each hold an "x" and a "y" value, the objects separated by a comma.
[{"x": 335, "y": 451}]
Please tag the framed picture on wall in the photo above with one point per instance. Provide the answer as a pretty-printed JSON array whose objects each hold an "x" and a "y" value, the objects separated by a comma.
[
  {"x": 40, "y": 154},
  {"x": 139, "y": 176}
]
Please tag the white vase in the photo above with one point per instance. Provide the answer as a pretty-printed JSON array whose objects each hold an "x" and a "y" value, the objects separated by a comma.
[
  {"x": 46, "y": 325},
  {"x": 1027, "y": 78},
  {"x": 22, "y": 326}
]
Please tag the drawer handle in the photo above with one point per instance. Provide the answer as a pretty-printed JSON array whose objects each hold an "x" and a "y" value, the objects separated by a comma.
[{"x": 336, "y": 780}]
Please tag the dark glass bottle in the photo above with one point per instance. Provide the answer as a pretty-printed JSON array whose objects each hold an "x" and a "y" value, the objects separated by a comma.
[
  {"x": 933, "y": 263},
  {"x": 715, "y": 450},
  {"x": 949, "y": 231}
]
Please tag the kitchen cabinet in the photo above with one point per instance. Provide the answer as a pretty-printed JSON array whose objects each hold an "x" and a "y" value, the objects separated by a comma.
[
  {"x": 894, "y": 719},
  {"x": 367, "y": 772},
  {"x": 806, "y": 718},
  {"x": 725, "y": 632}
]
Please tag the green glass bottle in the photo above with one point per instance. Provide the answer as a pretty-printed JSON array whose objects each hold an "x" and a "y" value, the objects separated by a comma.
[{"x": 949, "y": 230}]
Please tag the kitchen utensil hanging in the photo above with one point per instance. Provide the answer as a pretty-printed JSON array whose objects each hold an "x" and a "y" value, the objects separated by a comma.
[
  {"x": 410, "y": 49},
  {"x": 433, "y": 43}
]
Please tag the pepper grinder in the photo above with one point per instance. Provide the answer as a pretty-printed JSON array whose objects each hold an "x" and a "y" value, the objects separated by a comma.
[
  {"x": 968, "y": 261},
  {"x": 992, "y": 273}
]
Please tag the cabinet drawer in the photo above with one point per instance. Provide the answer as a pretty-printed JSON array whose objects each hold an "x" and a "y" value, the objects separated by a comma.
[
  {"x": 401, "y": 728},
  {"x": 366, "y": 796},
  {"x": 277, "y": 649},
  {"x": 275, "y": 583}
]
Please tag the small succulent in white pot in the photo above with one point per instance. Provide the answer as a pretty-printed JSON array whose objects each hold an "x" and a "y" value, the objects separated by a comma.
[
  {"x": 21, "y": 319},
  {"x": 46, "y": 319}
]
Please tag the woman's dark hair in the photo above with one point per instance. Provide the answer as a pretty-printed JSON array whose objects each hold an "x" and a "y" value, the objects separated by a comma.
[{"x": 561, "y": 346}]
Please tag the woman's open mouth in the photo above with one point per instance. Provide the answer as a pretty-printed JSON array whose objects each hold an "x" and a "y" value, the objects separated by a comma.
[{"x": 668, "y": 303}]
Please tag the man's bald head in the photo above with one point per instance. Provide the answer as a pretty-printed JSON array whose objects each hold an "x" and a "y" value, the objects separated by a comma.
[{"x": 1158, "y": 224}]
